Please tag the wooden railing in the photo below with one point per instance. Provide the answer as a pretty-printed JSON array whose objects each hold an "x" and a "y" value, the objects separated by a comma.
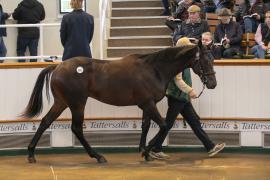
[{"x": 223, "y": 62}]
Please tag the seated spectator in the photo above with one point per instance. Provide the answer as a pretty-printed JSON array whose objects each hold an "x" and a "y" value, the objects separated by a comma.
[
  {"x": 181, "y": 13},
  {"x": 3, "y": 32},
  {"x": 209, "y": 6},
  {"x": 267, "y": 5},
  {"x": 250, "y": 13},
  {"x": 166, "y": 6},
  {"x": 262, "y": 38},
  {"x": 224, "y": 4},
  {"x": 173, "y": 5},
  {"x": 207, "y": 40},
  {"x": 193, "y": 27},
  {"x": 229, "y": 34}
]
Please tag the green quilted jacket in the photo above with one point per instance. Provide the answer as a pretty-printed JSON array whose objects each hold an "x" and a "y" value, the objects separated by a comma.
[{"x": 175, "y": 92}]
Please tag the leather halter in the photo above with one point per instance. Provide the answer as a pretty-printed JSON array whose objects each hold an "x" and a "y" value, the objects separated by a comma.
[{"x": 202, "y": 74}]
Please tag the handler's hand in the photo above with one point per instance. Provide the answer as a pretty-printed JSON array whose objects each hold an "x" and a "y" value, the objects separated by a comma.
[{"x": 192, "y": 94}]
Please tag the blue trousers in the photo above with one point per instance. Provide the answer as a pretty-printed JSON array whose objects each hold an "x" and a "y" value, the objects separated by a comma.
[
  {"x": 23, "y": 43},
  {"x": 258, "y": 52},
  {"x": 165, "y": 4},
  {"x": 3, "y": 49},
  {"x": 251, "y": 25}
]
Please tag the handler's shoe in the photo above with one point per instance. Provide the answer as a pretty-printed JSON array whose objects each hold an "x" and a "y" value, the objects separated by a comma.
[
  {"x": 159, "y": 155},
  {"x": 216, "y": 149}
]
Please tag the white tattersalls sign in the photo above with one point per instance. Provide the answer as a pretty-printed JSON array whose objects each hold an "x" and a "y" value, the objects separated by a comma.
[{"x": 125, "y": 125}]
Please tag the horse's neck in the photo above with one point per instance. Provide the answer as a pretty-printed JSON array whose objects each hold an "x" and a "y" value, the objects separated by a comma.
[{"x": 171, "y": 66}]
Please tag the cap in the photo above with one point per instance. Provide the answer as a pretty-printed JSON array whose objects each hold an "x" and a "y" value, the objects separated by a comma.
[{"x": 194, "y": 8}]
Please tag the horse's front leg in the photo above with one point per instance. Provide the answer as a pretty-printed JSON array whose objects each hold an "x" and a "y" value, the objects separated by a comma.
[
  {"x": 146, "y": 121},
  {"x": 151, "y": 110}
]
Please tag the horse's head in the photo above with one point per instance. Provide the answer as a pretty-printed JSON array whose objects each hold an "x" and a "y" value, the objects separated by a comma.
[{"x": 202, "y": 65}]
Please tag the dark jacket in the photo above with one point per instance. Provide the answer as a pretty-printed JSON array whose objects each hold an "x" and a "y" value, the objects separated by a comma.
[
  {"x": 29, "y": 12},
  {"x": 215, "y": 50},
  {"x": 245, "y": 9},
  {"x": 191, "y": 30},
  {"x": 4, "y": 16},
  {"x": 265, "y": 31},
  {"x": 76, "y": 33},
  {"x": 225, "y": 4},
  {"x": 233, "y": 32}
]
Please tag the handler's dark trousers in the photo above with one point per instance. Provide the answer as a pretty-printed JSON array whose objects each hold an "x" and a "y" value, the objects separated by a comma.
[{"x": 187, "y": 111}]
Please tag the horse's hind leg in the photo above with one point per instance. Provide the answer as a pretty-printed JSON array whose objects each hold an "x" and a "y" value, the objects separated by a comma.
[
  {"x": 77, "y": 129},
  {"x": 146, "y": 122},
  {"x": 46, "y": 121}
]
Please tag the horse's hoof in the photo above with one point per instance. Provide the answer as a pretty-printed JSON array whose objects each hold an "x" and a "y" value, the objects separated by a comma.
[
  {"x": 102, "y": 160},
  {"x": 32, "y": 160}
]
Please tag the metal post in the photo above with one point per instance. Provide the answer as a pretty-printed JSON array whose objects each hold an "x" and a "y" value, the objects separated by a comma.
[
  {"x": 41, "y": 44},
  {"x": 247, "y": 43}
]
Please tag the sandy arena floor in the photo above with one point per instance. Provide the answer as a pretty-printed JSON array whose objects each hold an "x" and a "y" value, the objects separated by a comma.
[{"x": 130, "y": 166}]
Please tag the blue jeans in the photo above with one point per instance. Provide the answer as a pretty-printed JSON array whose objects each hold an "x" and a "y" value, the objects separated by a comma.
[
  {"x": 258, "y": 52},
  {"x": 3, "y": 49},
  {"x": 166, "y": 4},
  {"x": 250, "y": 25},
  {"x": 208, "y": 9},
  {"x": 23, "y": 43}
]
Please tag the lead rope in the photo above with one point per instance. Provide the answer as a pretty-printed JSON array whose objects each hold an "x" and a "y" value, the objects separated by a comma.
[{"x": 200, "y": 92}]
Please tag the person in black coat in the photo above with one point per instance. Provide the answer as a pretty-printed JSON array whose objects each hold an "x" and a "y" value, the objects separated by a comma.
[
  {"x": 77, "y": 29},
  {"x": 228, "y": 34},
  {"x": 3, "y": 32},
  {"x": 28, "y": 12}
]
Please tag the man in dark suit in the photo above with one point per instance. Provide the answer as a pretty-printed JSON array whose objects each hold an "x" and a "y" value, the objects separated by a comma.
[{"x": 77, "y": 29}]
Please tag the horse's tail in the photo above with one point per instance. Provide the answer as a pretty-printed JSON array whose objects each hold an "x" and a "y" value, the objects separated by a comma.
[{"x": 35, "y": 104}]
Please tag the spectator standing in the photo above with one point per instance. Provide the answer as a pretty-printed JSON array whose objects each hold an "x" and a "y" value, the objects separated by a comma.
[
  {"x": 28, "y": 12},
  {"x": 77, "y": 29},
  {"x": 229, "y": 34},
  {"x": 3, "y": 32},
  {"x": 262, "y": 38}
]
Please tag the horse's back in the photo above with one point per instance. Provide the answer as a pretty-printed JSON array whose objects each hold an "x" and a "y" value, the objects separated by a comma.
[{"x": 118, "y": 82}]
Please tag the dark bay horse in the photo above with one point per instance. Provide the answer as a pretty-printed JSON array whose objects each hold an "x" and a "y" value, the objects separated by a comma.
[{"x": 134, "y": 80}]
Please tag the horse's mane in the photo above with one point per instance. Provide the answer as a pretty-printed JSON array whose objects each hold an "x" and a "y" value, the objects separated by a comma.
[{"x": 161, "y": 55}]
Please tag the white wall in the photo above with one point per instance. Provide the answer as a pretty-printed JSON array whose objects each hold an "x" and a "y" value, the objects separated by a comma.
[
  {"x": 52, "y": 44},
  {"x": 242, "y": 91}
]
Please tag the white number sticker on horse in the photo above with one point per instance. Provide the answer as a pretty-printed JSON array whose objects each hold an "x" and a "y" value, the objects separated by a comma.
[{"x": 80, "y": 69}]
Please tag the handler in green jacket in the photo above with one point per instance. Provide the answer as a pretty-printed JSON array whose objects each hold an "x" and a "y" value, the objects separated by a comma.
[{"x": 179, "y": 93}]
